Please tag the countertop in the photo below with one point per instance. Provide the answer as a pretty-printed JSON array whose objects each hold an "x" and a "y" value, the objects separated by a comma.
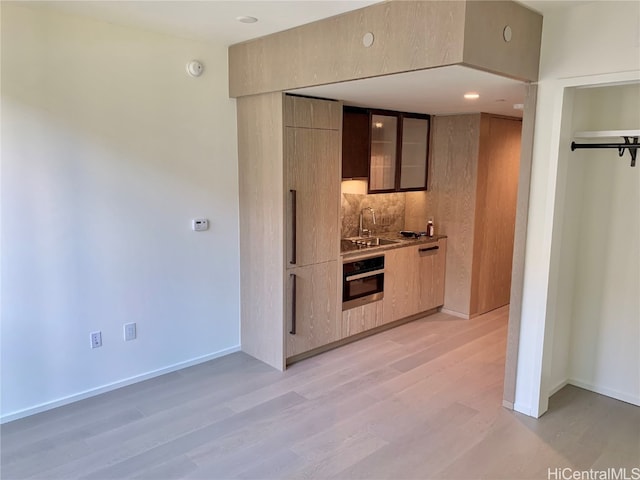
[{"x": 401, "y": 242}]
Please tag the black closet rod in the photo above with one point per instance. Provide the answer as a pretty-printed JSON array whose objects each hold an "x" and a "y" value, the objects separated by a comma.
[
  {"x": 575, "y": 146},
  {"x": 632, "y": 147}
]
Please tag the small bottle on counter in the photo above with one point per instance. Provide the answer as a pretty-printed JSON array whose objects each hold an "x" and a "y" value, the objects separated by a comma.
[{"x": 431, "y": 230}]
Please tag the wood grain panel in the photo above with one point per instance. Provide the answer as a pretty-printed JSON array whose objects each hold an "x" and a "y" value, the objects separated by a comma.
[
  {"x": 317, "y": 314},
  {"x": 409, "y": 35},
  {"x": 416, "y": 211},
  {"x": 454, "y": 164},
  {"x": 361, "y": 319},
  {"x": 312, "y": 157},
  {"x": 485, "y": 47},
  {"x": 306, "y": 112},
  {"x": 432, "y": 274},
  {"x": 497, "y": 188},
  {"x": 260, "y": 170},
  {"x": 401, "y": 283}
]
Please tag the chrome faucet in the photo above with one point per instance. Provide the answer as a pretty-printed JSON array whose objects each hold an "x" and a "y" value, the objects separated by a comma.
[{"x": 363, "y": 232}]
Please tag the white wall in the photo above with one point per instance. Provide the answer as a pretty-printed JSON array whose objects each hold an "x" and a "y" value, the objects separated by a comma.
[
  {"x": 605, "y": 326},
  {"x": 109, "y": 150},
  {"x": 589, "y": 44}
]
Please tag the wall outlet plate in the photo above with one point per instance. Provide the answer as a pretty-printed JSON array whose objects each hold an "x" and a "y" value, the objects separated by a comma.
[
  {"x": 130, "y": 331},
  {"x": 96, "y": 339}
]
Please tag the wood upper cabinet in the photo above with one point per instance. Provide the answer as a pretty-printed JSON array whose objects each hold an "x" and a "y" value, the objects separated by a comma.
[
  {"x": 312, "y": 180},
  {"x": 393, "y": 145},
  {"x": 414, "y": 153},
  {"x": 313, "y": 318},
  {"x": 413, "y": 279},
  {"x": 355, "y": 142},
  {"x": 305, "y": 112},
  {"x": 384, "y": 152}
]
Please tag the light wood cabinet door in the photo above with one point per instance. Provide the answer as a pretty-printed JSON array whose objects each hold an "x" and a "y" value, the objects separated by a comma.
[
  {"x": 307, "y": 112},
  {"x": 313, "y": 315},
  {"x": 361, "y": 319},
  {"x": 495, "y": 220},
  {"x": 431, "y": 259},
  {"x": 413, "y": 279},
  {"x": 401, "y": 284},
  {"x": 312, "y": 157}
]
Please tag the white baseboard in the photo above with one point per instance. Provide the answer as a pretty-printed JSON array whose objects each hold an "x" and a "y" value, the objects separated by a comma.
[
  {"x": 622, "y": 396},
  {"x": 558, "y": 387},
  {"x": 115, "y": 385}
]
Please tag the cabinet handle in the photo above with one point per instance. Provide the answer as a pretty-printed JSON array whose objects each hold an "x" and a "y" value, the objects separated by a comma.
[
  {"x": 293, "y": 304},
  {"x": 429, "y": 249},
  {"x": 294, "y": 240}
]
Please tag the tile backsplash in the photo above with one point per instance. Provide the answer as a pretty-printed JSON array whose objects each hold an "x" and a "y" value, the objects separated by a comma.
[{"x": 389, "y": 208}]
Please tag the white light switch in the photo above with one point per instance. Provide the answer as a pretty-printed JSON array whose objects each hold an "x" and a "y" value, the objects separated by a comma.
[{"x": 200, "y": 224}]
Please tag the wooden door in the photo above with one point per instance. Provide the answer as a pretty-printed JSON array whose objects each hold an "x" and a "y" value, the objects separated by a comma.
[
  {"x": 496, "y": 196},
  {"x": 312, "y": 302},
  {"x": 312, "y": 157}
]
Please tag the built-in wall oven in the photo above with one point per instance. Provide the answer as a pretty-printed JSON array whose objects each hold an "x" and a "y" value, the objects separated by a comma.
[{"x": 362, "y": 281}]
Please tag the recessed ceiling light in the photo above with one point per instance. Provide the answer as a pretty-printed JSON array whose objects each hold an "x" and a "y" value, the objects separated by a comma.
[
  {"x": 471, "y": 95},
  {"x": 246, "y": 19},
  {"x": 378, "y": 125}
]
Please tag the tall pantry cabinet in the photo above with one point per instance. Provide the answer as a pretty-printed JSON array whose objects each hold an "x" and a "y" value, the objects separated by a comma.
[
  {"x": 474, "y": 182},
  {"x": 289, "y": 178}
]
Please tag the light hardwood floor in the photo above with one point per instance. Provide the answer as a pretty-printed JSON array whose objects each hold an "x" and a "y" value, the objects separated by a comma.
[{"x": 420, "y": 401}]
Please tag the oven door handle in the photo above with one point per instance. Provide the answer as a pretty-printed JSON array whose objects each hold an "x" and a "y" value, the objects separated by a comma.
[{"x": 363, "y": 275}]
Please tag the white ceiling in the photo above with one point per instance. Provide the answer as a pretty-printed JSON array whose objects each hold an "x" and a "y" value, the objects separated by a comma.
[{"x": 435, "y": 91}]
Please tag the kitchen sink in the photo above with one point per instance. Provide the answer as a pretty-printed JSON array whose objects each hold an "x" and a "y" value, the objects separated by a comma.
[{"x": 372, "y": 241}]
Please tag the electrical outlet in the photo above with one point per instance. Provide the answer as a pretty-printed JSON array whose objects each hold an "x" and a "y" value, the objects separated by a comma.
[
  {"x": 129, "y": 331},
  {"x": 96, "y": 339}
]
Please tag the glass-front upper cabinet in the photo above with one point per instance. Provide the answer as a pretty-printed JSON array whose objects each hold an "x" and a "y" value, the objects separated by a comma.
[
  {"x": 384, "y": 151},
  {"x": 399, "y": 151},
  {"x": 415, "y": 148}
]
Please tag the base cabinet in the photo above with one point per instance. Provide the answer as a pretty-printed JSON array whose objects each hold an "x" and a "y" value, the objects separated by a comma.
[
  {"x": 431, "y": 264},
  {"x": 360, "y": 319},
  {"x": 414, "y": 279},
  {"x": 313, "y": 319},
  {"x": 401, "y": 284}
]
